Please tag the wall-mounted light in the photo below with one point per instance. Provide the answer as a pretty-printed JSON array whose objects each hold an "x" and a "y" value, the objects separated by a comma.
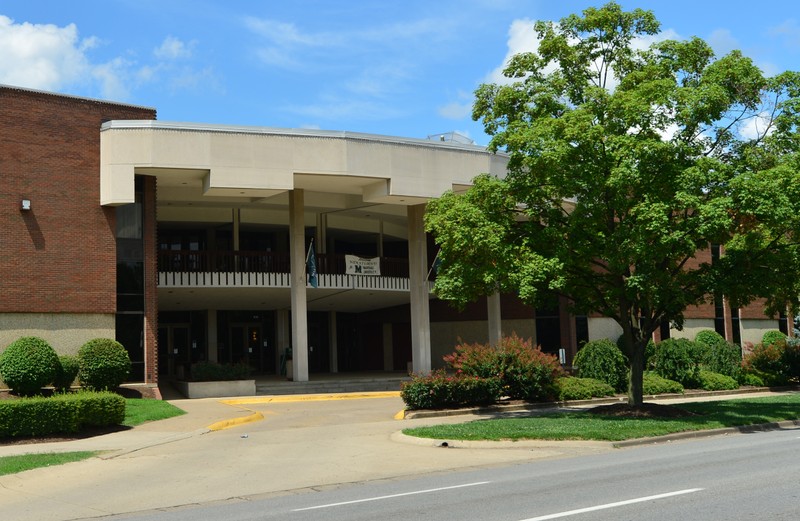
[{"x": 26, "y": 204}]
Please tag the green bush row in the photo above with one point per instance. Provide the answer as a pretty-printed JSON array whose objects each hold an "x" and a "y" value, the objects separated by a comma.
[
  {"x": 575, "y": 388},
  {"x": 440, "y": 391},
  {"x": 30, "y": 363},
  {"x": 60, "y": 414},
  {"x": 212, "y": 371}
]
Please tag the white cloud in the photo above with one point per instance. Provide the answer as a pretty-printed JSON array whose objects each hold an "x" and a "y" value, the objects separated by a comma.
[
  {"x": 789, "y": 31},
  {"x": 455, "y": 110},
  {"x": 756, "y": 126},
  {"x": 43, "y": 57},
  {"x": 173, "y": 48},
  {"x": 521, "y": 38},
  {"x": 722, "y": 41}
]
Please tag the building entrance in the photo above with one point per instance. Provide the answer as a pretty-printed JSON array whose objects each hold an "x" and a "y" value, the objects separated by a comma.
[{"x": 174, "y": 350}]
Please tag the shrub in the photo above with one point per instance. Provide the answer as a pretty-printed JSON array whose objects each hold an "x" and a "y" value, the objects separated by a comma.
[
  {"x": 525, "y": 372},
  {"x": 574, "y": 388},
  {"x": 723, "y": 358},
  {"x": 710, "y": 381},
  {"x": 66, "y": 372},
  {"x": 772, "y": 336},
  {"x": 709, "y": 337},
  {"x": 791, "y": 358},
  {"x": 767, "y": 362},
  {"x": 104, "y": 364},
  {"x": 211, "y": 371},
  {"x": 28, "y": 364},
  {"x": 439, "y": 390},
  {"x": 678, "y": 359},
  {"x": 655, "y": 384},
  {"x": 751, "y": 379},
  {"x": 602, "y": 360},
  {"x": 62, "y": 413}
]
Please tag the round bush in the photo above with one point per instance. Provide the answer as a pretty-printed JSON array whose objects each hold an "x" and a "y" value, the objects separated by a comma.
[
  {"x": 709, "y": 337},
  {"x": 772, "y": 336},
  {"x": 678, "y": 359},
  {"x": 718, "y": 355},
  {"x": 602, "y": 360},
  {"x": 574, "y": 388},
  {"x": 66, "y": 372},
  {"x": 717, "y": 382},
  {"x": 653, "y": 384},
  {"x": 28, "y": 364},
  {"x": 104, "y": 364}
]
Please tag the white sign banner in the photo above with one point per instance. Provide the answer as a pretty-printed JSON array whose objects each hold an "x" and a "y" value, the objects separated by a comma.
[{"x": 362, "y": 266}]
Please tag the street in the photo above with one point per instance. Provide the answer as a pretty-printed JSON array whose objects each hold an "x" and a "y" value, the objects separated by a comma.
[{"x": 749, "y": 476}]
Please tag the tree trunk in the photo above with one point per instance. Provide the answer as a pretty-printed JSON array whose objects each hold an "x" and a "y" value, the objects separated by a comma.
[{"x": 636, "y": 374}]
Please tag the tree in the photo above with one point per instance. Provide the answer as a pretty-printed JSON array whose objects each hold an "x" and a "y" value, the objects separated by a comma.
[{"x": 624, "y": 162}]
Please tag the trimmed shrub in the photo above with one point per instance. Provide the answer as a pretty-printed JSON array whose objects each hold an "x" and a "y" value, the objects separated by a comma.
[
  {"x": 710, "y": 381},
  {"x": 66, "y": 372},
  {"x": 751, "y": 379},
  {"x": 709, "y": 337},
  {"x": 602, "y": 360},
  {"x": 525, "y": 372},
  {"x": 654, "y": 384},
  {"x": 574, "y": 388},
  {"x": 104, "y": 364},
  {"x": 773, "y": 336},
  {"x": 212, "y": 371},
  {"x": 678, "y": 359},
  {"x": 440, "y": 391},
  {"x": 62, "y": 413},
  {"x": 28, "y": 364}
]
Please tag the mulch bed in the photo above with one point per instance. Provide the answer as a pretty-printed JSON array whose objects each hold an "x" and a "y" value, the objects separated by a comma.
[{"x": 646, "y": 410}]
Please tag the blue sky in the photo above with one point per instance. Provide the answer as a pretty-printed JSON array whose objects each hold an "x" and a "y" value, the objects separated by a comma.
[{"x": 404, "y": 68}]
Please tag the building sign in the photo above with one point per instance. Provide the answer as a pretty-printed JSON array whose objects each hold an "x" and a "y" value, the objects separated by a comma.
[{"x": 362, "y": 266}]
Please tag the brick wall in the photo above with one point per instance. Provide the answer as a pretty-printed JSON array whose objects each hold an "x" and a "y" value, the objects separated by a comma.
[{"x": 61, "y": 255}]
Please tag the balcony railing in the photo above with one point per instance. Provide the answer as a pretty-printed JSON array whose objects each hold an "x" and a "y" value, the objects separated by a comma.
[{"x": 190, "y": 261}]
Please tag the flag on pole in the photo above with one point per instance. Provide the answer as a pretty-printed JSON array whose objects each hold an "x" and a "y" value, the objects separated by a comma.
[{"x": 311, "y": 266}]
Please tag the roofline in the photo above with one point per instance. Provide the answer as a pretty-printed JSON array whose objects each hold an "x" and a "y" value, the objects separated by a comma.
[
  {"x": 78, "y": 98},
  {"x": 295, "y": 132}
]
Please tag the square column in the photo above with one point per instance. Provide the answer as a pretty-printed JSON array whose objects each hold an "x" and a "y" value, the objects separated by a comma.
[
  {"x": 418, "y": 281},
  {"x": 495, "y": 318},
  {"x": 297, "y": 256}
]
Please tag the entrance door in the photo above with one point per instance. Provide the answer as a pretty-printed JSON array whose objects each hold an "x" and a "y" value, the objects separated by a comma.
[
  {"x": 249, "y": 346},
  {"x": 174, "y": 353}
]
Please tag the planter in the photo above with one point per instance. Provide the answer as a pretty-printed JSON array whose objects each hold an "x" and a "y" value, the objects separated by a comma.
[{"x": 217, "y": 389}]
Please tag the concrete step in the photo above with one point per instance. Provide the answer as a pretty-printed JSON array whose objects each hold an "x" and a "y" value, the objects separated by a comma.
[{"x": 329, "y": 386}]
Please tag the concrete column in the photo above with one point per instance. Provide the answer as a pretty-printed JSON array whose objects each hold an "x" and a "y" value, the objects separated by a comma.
[
  {"x": 236, "y": 223},
  {"x": 418, "y": 275},
  {"x": 495, "y": 318},
  {"x": 211, "y": 319},
  {"x": 297, "y": 255},
  {"x": 569, "y": 335},
  {"x": 281, "y": 335},
  {"x": 334, "y": 342}
]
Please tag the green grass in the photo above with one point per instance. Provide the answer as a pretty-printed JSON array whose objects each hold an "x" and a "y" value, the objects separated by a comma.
[
  {"x": 14, "y": 464},
  {"x": 141, "y": 410},
  {"x": 583, "y": 426}
]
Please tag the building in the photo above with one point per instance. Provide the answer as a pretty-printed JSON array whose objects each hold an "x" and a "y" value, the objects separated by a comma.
[{"x": 190, "y": 242}]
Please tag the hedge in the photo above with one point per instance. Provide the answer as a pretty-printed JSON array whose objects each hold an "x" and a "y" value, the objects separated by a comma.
[
  {"x": 574, "y": 388},
  {"x": 441, "y": 391},
  {"x": 60, "y": 414}
]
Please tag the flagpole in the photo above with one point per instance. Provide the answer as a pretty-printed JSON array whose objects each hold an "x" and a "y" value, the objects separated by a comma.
[
  {"x": 433, "y": 265},
  {"x": 308, "y": 253}
]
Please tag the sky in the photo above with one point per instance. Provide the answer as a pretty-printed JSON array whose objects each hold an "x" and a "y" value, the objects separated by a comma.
[{"x": 400, "y": 68}]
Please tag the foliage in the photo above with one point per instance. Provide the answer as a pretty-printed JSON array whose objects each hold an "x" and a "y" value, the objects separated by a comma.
[
  {"x": 776, "y": 363},
  {"x": 575, "y": 388},
  {"x": 582, "y": 426},
  {"x": 602, "y": 360},
  {"x": 66, "y": 372},
  {"x": 212, "y": 371},
  {"x": 625, "y": 162},
  {"x": 678, "y": 359},
  {"x": 439, "y": 390},
  {"x": 655, "y": 384},
  {"x": 751, "y": 379},
  {"x": 61, "y": 413},
  {"x": 711, "y": 381},
  {"x": 773, "y": 336},
  {"x": 525, "y": 372},
  {"x": 718, "y": 355},
  {"x": 21, "y": 463},
  {"x": 104, "y": 364},
  {"x": 791, "y": 358},
  {"x": 28, "y": 364}
]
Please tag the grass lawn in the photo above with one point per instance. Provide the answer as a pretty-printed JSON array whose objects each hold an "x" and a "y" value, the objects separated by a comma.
[
  {"x": 584, "y": 426},
  {"x": 14, "y": 464},
  {"x": 141, "y": 410}
]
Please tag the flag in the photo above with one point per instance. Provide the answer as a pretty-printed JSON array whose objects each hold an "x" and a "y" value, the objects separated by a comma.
[{"x": 311, "y": 266}]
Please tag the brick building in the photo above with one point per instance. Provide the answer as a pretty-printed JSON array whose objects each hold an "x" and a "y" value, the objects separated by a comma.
[{"x": 189, "y": 242}]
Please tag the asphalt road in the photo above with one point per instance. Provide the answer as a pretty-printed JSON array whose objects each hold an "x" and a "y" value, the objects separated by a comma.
[{"x": 737, "y": 477}]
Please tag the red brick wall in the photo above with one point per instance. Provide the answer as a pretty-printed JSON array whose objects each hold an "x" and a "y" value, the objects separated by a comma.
[
  {"x": 149, "y": 231},
  {"x": 61, "y": 255}
]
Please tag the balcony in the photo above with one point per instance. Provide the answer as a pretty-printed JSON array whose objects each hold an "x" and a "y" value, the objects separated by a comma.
[{"x": 191, "y": 268}]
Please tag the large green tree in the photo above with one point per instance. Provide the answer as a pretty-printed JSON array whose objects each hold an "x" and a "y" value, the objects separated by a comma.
[{"x": 625, "y": 161}]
